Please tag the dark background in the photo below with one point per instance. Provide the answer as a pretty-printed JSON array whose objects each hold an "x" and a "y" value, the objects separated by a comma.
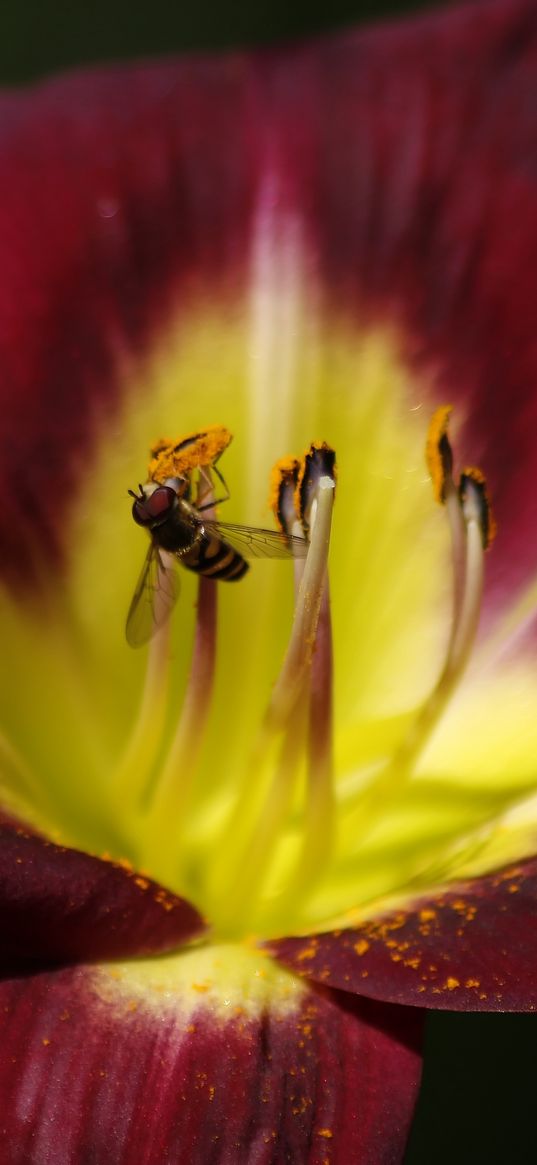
[
  {"x": 478, "y": 1103},
  {"x": 42, "y": 36}
]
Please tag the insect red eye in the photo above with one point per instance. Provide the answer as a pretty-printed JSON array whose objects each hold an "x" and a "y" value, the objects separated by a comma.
[
  {"x": 160, "y": 501},
  {"x": 154, "y": 508}
]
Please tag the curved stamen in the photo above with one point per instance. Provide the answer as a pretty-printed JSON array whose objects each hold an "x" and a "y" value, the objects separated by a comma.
[
  {"x": 478, "y": 527},
  {"x": 133, "y": 774},
  {"x": 460, "y": 645}
]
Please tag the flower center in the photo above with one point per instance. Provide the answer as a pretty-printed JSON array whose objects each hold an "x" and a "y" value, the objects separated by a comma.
[{"x": 270, "y": 843}]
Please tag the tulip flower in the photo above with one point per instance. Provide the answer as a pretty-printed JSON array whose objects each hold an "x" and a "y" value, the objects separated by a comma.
[{"x": 238, "y": 863}]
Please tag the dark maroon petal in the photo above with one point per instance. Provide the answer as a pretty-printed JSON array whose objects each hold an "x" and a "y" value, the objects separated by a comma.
[
  {"x": 123, "y": 191},
  {"x": 407, "y": 156},
  {"x": 473, "y": 949},
  {"x": 59, "y": 904},
  {"x": 84, "y": 1077}
]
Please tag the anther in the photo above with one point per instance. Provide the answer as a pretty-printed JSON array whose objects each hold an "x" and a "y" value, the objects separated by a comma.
[
  {"x": 438, "y": 452},
  {"x": 179, "y": 457},
  {"x": 439, "y": 458},
  {"x": 475, "y": 503},
  {"x": 283, "y": 483},
  {"x": 282, "y": 496},
  {"x": 319, "y": 461}
]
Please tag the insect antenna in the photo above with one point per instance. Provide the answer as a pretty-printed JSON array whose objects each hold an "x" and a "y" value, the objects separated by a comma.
[{"x": 137, "y": 497}]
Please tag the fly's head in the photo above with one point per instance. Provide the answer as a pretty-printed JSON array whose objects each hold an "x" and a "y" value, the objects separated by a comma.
[{"x": 155, "y": 501}]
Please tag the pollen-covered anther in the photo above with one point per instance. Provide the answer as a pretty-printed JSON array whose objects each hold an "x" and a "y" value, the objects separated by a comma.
[
  {"x": 476, "y": 504},
  {"x": 439, "y": 458},
  {"x": 283, "y": 483},
  {"x": 438, "y": 452},
  {"x": 180, "y": 456},
  {"x": 318, "y": 462}
]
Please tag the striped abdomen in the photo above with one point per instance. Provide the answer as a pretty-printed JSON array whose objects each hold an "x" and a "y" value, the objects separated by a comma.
[{"x": 215, "y": 559}]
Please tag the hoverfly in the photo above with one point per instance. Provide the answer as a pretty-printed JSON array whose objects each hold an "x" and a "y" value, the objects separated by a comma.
[{"x": 179, "y": 532}]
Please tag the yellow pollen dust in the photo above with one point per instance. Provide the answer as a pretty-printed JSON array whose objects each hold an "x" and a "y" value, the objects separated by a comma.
[
  {"x": 437, "y": 437},
  {"x": 179, "y": 456}
]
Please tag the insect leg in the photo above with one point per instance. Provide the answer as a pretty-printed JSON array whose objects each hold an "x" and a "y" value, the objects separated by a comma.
[{"x": 206, "y": 478}]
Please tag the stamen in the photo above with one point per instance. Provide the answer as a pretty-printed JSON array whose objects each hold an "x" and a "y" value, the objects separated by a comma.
[
  {"x": 318, "y": 824},
  {"x": 478, "y": 528},
  {"x": 172, "y": 791},
  {"x": 247, "y": 871},
  {"x": 132, "y": 778},
  {"x": 439, "y": 458},
  {"x": 438, "y": 452},
  {"x": 181, "y": 761},
  {"x": 285, "y": 718},
  {"x": 317, "y": 838},
  {"x": 306, "y": 618},
  {"x": 283, "y": 484},
  {"x": 461, "y": 640}
]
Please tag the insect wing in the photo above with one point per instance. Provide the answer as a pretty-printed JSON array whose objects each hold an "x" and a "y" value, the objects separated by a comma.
[
  {"x": 253, "y": 542},
  {"x": 155, "y": 594}
]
